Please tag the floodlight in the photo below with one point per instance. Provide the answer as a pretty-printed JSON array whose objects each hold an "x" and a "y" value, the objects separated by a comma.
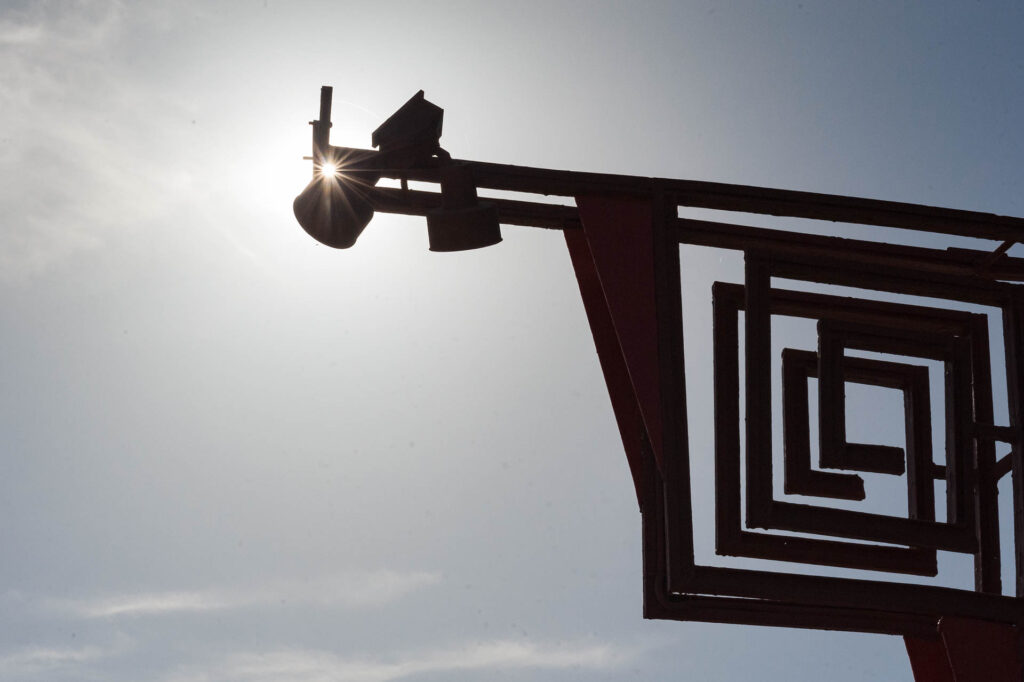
[
  {"x": 338, "y": 204},
  {"x": 462, "y": 223},
  {"x": 334, "y": 208}
]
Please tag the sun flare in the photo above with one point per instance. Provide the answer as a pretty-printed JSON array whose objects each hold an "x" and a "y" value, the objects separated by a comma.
[{"x": 329, "y": 170}]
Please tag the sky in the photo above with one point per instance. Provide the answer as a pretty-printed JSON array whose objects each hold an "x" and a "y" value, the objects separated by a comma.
[{"x": 230, "y": 453}]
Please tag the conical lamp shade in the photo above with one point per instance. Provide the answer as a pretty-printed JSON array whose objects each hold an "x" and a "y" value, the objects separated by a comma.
[{"x": 334, "y": 210}]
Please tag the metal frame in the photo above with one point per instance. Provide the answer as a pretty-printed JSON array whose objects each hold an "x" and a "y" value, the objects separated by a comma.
[
  {"x": 679, "y": 588},
  {"x": 731, "y": 539},
  {"x": 675, "y": 587},
  {"x": 912, "y": 380},
  {"x": 624, "y": 237}
]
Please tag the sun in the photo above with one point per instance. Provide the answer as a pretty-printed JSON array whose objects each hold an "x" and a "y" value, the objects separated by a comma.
[{"x": 329, "y": 170}]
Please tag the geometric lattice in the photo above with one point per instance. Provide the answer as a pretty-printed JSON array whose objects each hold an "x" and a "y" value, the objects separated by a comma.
[
  {"x": 731, "y": 539},
  {"x": 756, "y": 525},
  {"x": 912, "y": 380},
  {"x": 918, "y": 529},
  {"x": 623, "y": 238}
]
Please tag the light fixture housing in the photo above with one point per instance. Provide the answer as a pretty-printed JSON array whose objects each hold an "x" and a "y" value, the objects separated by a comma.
[
  {"x": 463, "y": 222},
  {"x": 416, "y": 125},
  {"x": 334, "y": 209}
]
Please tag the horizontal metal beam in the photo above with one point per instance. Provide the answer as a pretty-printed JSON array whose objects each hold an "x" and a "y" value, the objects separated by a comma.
[
  {"x": 961, "y": 264},
  {"x": 720, "y": 196},
  {"x": 510, "y": 212}
]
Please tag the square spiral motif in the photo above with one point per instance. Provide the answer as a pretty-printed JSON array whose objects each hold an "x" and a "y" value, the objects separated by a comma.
[
  {"x": 636, "y": 316},
  {"x": 750, "y": 522},
  {"x": 891, "y": 328}
]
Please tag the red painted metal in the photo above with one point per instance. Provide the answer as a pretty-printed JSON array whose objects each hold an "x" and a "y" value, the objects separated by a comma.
[
  {"x": 609, "y": 353},
  {"x": 623, "y": 238},
  {"x": 619, "y": 232},
  {"x": 968, "y": 650},
  {"x": 928, "y": 660}
]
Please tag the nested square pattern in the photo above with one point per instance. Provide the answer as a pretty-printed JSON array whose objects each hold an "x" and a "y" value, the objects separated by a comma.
[{"x": 750, "y": 522}]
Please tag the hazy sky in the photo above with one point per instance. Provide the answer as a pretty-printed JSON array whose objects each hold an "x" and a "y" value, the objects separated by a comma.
[{"x": 232, "y": 454}]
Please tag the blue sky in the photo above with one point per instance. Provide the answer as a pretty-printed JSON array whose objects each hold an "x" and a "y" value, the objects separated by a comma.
[{"x": 230, "y": 453}]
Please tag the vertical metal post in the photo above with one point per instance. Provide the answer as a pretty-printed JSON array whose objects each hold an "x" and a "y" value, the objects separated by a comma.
[{"x": 322, "y": 128}]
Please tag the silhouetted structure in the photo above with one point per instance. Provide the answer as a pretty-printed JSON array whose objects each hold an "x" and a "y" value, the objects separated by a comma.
[{"x": 624, "y": 238}]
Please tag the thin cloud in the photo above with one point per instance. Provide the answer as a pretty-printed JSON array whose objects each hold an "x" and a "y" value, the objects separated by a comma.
[
  {"x": 20, "y": 34},
  {"x": 320, "y": 666},
  {"x": 154, "y": 603},
  {"x": 29, "y": 662},
  {"x": 353, "y": 590},
  {"x": 40, "y": 659}
]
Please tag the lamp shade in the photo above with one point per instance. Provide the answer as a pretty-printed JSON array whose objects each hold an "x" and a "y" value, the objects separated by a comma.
[
  {"x": 334, "y": 209},
  {"x": 463, "y": 222}
]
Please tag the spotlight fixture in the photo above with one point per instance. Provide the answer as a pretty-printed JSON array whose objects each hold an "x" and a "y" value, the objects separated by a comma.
[
  {"x": 462, "y": 223},
  {"x": 335, "y": 208},
  {"x": 338, "y": 204}
]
